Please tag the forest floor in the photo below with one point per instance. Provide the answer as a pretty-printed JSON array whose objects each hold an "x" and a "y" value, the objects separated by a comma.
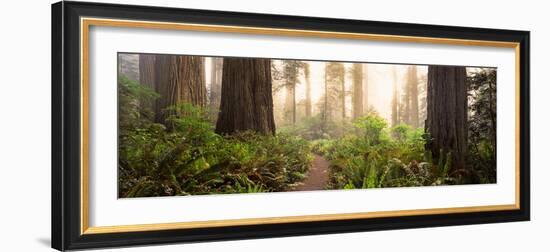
[{"x": 317, "y": 176}]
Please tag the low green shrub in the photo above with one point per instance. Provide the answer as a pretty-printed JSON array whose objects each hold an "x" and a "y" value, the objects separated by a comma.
[{"x": 378, "y": 156}]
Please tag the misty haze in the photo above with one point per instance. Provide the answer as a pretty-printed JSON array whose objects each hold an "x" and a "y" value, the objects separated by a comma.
[{"x": 191, "y": 125}]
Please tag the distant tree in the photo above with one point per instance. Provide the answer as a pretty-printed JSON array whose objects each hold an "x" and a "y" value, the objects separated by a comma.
[
  {"x": 408, "y": 108},
  {"x": 402, "y": 111},
  {"x": 395, "y": 119},
  {"x": 357, "y": 98},
  {"x": 342, "y": 91},
  {"x": 325, "y": 98},
  {"x": 422, "y": 99},
  {"x": 447, "y": 121},
  {"x": 215, "y": 84},
  {"x": 404, "y": 104},
  {"x": 246, "y": 101},
  {"x": 291, "y": 70},
  {"x": 307, "y": 76},
  {"x": 365, "y": 88},
  {"x": 412, "y": 102},
  {"x": 335, "y": 93}
]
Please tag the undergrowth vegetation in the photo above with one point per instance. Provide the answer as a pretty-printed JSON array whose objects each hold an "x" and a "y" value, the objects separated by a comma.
[
  {"x": 379, "y": 156},
  {"x": 188, "y": 157},
  {"x": 185, "y": 156}
]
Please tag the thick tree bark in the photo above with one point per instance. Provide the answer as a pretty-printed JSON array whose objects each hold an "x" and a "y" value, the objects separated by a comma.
[
  {"x": 246, "y": 102},
  {"x": 412, "y": 84},
  {"x": 357, "y": 98},
  {"x": 447, "y": 121},
  {"x": 308, "y": 90},
  {"x": 179, "y": 79}
]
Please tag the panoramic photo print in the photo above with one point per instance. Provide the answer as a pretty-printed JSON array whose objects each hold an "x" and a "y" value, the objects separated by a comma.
[{"x": 196, "y": 125}]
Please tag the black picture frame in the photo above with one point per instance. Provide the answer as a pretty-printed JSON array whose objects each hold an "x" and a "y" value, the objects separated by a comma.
[{"x": 66, "y": 114}]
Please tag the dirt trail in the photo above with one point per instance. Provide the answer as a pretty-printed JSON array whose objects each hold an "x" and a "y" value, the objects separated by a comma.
[{"x": 317, "y": 176}]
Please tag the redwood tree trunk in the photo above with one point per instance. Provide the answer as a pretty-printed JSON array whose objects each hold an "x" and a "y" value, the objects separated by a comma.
[
  {"x": 246, "y": 102},
  {"x": 179, "y": 79},
  {"x": 357, "y": 98},
  {"x": 447, "y": 121}
]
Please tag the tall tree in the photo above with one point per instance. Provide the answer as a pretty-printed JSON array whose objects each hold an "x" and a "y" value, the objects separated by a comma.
[
  {"x": 215, "y": 84},
  {"x": 325, "y": 103},
  {"x": 482, "y": 93},
  {"x": 247, "y": 101},
  {"x": 179, "y": 79},
  {"x": 290, "y": 74},
  {"x": 335, "y": 94},
  {"x": 308, "y": 89},
  {"x": 405, "y": 103},
  {"x": 395, "y": 99},
  {"x": 357, "y": 98},
  {"x": 447, "y": 121},
  {"x": 412, "y": 86},
  {"x": 147, "y": 77},
  {"x": 365, "y": 88},
  {"x": 342, "y": 76}
]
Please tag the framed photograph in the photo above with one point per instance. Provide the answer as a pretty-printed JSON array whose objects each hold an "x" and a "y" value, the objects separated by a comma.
[{"x": 180, "y": 125}]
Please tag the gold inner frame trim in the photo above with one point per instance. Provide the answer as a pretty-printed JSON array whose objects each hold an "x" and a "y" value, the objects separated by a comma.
[
  {"x": 289, "y": 219},
  {"x": 86, "y": 23}
]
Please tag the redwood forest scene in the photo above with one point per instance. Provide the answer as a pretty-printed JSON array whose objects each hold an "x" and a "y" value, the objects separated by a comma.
[{"x": 197, "y": 125}]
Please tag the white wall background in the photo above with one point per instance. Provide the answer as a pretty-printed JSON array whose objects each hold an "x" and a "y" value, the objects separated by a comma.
[{"x": 25, "y": 125}]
